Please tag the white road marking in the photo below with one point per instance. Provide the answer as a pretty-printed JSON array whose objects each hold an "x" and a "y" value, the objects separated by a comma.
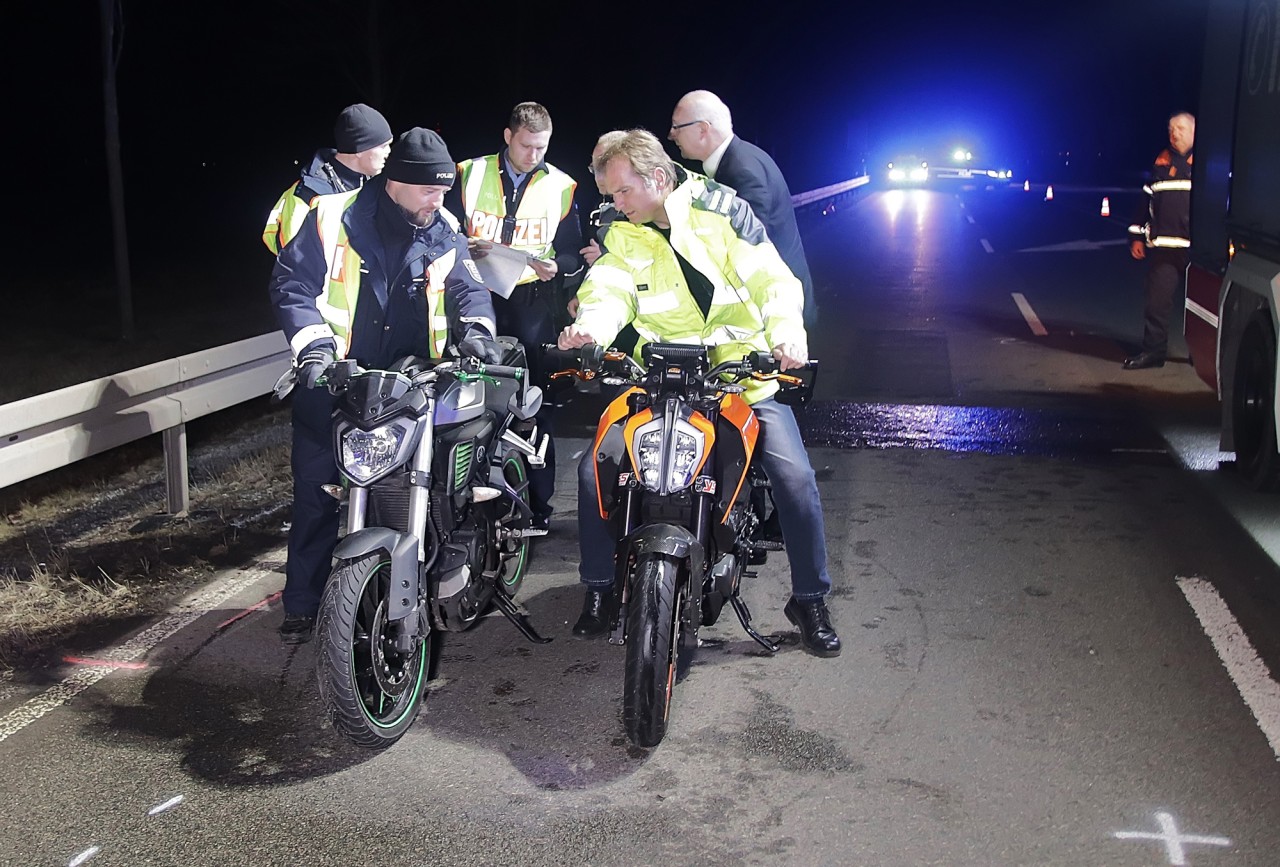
[
  {"x": 78, "y": 681},
  {"x": 1075, "y": 246},
  {"x": 1252, "y": 678},
  {"x": 169, "y": 804},
  {"x": 84, "y": 856},
  {"x": 1173, "y": 841},
  {"x": 970, "y": 218},
  {"x": 1037, "y": 328},
  {"x": 986, "y": 245}
]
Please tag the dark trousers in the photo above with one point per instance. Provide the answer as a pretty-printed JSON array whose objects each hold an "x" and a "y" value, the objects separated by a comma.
[
  {"x": 314, "y": 531},
  {"x": 1165, "y": 270},
  {"x": 526, "y": 316}
]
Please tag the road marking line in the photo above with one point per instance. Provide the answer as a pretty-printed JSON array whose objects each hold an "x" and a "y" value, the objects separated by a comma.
[
  {"x": 1172, "y": 839},
  {"x": 84, "y": 856},
  {"x": 1033, "y": 321},
  {"x": 1252, "y": 678},
  {"x": 986, "y": 245},
  {"x": 78, "y": 681},
  {"x": 160, "y": 808},
  {"x": 970, "y": 218}
]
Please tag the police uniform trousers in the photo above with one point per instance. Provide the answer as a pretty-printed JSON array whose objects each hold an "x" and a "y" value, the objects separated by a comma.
[
  {"x": 314, "y": 531},
  {"x": 526, "y": 316}
]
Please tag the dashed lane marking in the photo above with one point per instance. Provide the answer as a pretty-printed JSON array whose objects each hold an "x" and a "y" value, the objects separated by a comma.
[
  {"x": 986, "y": 245},
  {"x": 1252, "y": 678},
  {"x": 84, "y": 856},
  {"x": 78, "y": 681},
  {"x": 167, "y": 805},
  {"x": 1033, "y": 321}
]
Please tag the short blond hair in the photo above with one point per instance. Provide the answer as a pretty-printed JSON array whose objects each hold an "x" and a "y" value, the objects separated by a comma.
[{"x": 643, "y": 151}]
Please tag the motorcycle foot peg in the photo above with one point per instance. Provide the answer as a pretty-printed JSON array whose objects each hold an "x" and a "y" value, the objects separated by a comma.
[{"x": 766, "y": 545}]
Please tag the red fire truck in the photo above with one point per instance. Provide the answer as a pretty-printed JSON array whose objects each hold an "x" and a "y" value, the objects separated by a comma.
[{"x": 1233, "y": 282}]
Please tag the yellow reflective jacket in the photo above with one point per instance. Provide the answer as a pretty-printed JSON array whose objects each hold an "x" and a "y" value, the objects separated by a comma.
[{"x": 756, "y": 302}]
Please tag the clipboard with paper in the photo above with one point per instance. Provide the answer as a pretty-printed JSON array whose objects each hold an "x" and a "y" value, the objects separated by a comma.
[{"x": 500, "y": 266}]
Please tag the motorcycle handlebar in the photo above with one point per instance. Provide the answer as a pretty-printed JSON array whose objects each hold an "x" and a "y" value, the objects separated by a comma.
[{"x": 504, "y": 370}]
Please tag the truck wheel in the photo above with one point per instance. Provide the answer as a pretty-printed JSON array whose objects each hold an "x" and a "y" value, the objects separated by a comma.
[{"x": 1253, "y": 411}]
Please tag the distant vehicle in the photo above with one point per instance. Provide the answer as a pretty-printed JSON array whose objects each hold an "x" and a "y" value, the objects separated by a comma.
[
  {"x": 1233, "y": 281},
  {"x": 959, "y": 165},
  {"x": 908, "y": 170}
]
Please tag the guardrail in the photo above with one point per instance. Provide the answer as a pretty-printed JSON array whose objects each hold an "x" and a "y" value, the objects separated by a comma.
[
  {"x": 53, "y": 430},
  {"x": 49, "y": 431}
]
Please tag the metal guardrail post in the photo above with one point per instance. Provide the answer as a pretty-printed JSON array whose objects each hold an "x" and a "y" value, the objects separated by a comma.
[{"x": 176, "y": 484}]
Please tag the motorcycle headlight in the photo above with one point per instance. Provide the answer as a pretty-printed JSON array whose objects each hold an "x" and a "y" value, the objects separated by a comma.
[
  {"x": 366, "y": 455},
  {"x": 668, "y": 460}
]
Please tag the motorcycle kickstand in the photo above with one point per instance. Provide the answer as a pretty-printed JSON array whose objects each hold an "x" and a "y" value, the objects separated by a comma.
[
  {"x": 744, "y": 617},
  {"x": 518, "y": 617}
]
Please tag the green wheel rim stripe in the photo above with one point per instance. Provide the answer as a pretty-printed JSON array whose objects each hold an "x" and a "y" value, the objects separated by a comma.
[
  {"x": 382, "y": 696},
  {"x": 518, "y": 573}
]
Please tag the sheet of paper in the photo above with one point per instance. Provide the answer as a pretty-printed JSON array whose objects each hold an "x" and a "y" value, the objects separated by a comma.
[{"x": 500, "y": 266}]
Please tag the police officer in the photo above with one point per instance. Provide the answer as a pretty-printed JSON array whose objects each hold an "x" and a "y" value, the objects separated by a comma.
[
  {"x": 374, "y": 274},
  {"x": 674, "y": 270},
  {"x": 1163, "y": 238},
  {"x": 519, "y": 199},
  {"x": 363, "y": 139}
]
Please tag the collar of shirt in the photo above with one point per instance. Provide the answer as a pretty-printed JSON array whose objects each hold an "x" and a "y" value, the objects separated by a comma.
[
  {"x": 711, "y": 163},
  {"x": 518, "y": 179}
]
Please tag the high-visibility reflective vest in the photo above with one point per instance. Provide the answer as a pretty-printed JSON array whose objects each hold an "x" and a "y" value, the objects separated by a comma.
[
  {"x": 548, "y": 196},
  {"x": 756, "y": 301},
  {"x": 285, "y": 219},
  {"x": 337, "y": 303}
]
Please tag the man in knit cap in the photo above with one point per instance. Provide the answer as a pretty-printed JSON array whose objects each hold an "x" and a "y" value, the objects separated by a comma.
[
  {"x": 363, "y": 140},
  {"x": 374, "y": 274}
]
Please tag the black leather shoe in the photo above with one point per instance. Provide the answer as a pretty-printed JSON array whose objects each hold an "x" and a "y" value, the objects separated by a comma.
[
  {"x": 297, "y": 628},
  {"x": 597, "y": 607},
  {"x": 1143, "y": 360},
  {"x": 814, "y": 622}
]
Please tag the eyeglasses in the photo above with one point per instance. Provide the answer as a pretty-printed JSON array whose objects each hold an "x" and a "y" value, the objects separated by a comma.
[{"x": 676, "y": 126}]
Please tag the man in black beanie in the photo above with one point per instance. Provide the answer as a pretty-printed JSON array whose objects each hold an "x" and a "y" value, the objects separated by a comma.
[
  {"x": 363, "y": 139},
  {"x": 375, "y": 274}
]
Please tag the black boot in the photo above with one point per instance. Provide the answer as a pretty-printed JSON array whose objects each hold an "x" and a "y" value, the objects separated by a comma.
[
  {"x": 296, "y": 628},
  {"x": 813, "y": 620},
  {"x": 597, "y": 608}
]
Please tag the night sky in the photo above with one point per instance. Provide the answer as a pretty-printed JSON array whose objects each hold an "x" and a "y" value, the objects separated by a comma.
[{"x": 218, "y": 100}]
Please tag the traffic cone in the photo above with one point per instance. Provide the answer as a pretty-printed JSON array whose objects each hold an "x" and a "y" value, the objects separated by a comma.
[
  {"x": 1048, "y": 193},
  {"x": 1106, "y": 207},
  {"x": 1026, "y": 186}
]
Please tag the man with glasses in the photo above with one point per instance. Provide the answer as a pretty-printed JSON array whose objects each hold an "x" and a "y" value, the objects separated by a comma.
[{"x": 702, "y": 129}]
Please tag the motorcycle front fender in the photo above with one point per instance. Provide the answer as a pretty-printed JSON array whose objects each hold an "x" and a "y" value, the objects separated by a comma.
[
  {"x": 402, "y": 548},
  {"x": 670, "y": 540}
]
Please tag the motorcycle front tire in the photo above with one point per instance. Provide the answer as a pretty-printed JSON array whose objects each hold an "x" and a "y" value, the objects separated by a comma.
[
  {"x": 370, "y": 691},
  {"x": 653, "y": 633}
]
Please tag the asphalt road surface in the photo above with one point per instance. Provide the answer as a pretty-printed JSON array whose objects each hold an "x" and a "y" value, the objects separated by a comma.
[{"x": 1059, "y": 613}]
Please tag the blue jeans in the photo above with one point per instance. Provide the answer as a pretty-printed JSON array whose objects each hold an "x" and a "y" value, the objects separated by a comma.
[{"x": 795, "y": 493}]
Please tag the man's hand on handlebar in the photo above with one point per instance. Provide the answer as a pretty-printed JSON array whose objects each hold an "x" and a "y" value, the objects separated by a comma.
[
  {"x": 791, "y": 356},
  {"x": 574, "y": 337}
]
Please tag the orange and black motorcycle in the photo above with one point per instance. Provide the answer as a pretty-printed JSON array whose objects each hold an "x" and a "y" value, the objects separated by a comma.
[{"x": 675, "y": 475}]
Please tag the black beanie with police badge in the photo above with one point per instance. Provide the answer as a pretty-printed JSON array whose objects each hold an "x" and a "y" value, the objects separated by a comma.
[{"x": 420, "y": 157}]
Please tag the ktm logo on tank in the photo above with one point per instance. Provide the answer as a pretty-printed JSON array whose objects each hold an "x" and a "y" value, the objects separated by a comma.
[{"x": 530, "y": 231}]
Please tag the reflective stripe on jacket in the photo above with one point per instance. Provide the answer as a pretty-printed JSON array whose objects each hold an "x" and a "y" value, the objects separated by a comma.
[
  {"x": 756, "y": 301},
  {"x": 547, "y": 199},
  {"x": 1166, "y": 219}
]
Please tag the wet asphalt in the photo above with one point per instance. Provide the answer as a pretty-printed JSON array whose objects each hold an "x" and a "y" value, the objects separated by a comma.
[{"x": 1023, "y": 681}]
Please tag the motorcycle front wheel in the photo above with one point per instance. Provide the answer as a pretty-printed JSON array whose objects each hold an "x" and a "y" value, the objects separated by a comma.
[
  {"x": 370, "y": 690},
  {"x": 653, "y": 641}
]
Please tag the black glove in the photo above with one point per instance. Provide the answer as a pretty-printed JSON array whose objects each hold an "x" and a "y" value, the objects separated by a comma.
[
  {"x": 314, "y": 360},
  {"x": 476, "y": 345}
]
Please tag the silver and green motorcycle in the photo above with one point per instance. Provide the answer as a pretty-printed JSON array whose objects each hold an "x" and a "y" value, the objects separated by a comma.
[{"x": 435, "y": 459}]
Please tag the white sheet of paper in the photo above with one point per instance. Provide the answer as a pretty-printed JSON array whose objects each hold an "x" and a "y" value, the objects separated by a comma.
[{"x": 500, "y": 266}]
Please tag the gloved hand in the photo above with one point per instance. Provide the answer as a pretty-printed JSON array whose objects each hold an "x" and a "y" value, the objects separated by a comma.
[
  {"x": 481, "y": 346},
  {"x": 314, "y": 360}
]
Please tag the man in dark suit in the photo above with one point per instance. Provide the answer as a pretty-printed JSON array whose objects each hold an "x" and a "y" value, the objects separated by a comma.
[{"x": 702, "y": 129}]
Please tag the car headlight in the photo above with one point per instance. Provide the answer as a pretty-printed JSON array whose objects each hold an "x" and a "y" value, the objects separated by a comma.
[
  {"x": 897, "y": 175},
  {"x": 920, "y": 174},
  {"x": 368, "y": 454}
]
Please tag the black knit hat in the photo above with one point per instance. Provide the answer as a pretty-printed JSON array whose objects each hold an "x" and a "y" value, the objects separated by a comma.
[
  {"x": 360, "y": 128},
  {"x": 420, "y": 157}
]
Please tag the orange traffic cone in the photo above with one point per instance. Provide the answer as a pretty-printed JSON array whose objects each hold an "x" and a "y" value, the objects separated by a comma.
[
  {"x": 1026, "y": 186},
  {"x": 1106, "y": 207},
  {"x": 1048, "y": 193}
]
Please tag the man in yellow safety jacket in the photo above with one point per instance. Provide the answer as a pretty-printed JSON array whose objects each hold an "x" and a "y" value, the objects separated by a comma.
[
  {"x": 692, "y": 264},
  {"x": 518, "y": 199}
]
